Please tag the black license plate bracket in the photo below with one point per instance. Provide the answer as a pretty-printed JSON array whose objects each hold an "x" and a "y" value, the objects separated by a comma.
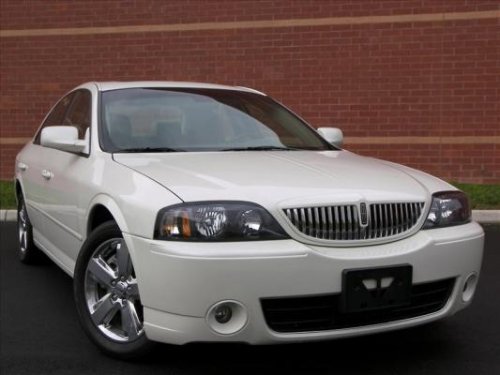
[{"x": 370, "y": 289}]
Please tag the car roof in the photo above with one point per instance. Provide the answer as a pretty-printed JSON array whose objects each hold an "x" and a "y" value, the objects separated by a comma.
[{"x": 118, "y": 85}]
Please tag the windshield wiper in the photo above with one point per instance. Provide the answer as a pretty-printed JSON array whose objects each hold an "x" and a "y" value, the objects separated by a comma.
[
  {"x": 150, "y": 149},
  {"x": 260, "y": 148}
]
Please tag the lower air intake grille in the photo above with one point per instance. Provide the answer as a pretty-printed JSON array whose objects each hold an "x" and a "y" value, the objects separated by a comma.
[
  {"x": 319, "y": 313},
  {"x": 350, "y": 222}
]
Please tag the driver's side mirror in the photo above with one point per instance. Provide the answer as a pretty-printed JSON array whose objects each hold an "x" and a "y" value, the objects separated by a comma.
[
  {"x": 332, "y": 135},
  {"x": 64, "y": 138}
]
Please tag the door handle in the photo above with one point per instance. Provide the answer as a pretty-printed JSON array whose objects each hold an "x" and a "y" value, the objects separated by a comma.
[
  {"x": 47, "y": 174},
  {"x": 22, "y": 167}
]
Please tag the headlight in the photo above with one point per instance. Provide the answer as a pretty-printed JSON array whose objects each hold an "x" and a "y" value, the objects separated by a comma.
[
  {"x": 448, "y": 208},
  {"x": 217, "y": 221}
]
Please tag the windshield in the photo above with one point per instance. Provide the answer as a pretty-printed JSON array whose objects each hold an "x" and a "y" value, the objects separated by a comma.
[{"x": 169, "y": 120}]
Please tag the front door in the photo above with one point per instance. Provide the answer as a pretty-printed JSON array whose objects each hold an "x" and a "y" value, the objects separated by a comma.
[{"x": 61, "y": 171}]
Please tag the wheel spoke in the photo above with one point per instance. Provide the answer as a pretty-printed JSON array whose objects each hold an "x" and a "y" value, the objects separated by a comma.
[
  {"x": 22, "y": 215},
  {"x": 23, "y": 230},
  {"x": 102, "y": 272},
  {"x": 123, "y": 259},
  {"x": 24, "y": 242},
  {"x": 130, "y": 321},
  {"x": 105, "y": 310},
  {"x": 111, "y": 268}
]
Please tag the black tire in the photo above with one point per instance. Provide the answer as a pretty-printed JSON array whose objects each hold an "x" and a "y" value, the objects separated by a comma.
[
  {"x": 28, "y": 252},
  {"x": 103, "y": 237}
]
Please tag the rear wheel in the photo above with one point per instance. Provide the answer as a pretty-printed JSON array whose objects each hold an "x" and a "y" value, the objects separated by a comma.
[
  {"x": 28, "y": 252},
  {"x": 107, "y": 296}
]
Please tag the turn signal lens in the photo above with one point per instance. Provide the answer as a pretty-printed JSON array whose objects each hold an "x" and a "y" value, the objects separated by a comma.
[{"x": 186, "y": 226}]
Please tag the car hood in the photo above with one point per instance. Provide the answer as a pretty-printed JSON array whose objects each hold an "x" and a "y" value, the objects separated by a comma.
[{"x": 285, "y": 178}]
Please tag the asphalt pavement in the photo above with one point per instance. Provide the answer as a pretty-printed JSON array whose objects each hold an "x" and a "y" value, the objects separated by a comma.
[{"x": 40, "y": 334}]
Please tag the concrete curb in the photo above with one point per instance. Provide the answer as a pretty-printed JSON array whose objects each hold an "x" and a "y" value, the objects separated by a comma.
[
  {"x": 486, "y": 216},
  {"x": 8, "y": 215},
  {"x": 481, "y": 216}
]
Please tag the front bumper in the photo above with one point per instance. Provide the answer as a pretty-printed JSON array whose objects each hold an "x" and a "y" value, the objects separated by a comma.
[{"x": 180, "y": 282}]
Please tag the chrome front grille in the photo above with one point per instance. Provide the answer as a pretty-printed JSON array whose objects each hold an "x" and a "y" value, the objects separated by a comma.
[{"x": 344, "y": 222}]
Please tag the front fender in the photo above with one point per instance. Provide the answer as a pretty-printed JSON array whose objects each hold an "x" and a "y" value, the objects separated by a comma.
[{"x": 110, "y": 204}]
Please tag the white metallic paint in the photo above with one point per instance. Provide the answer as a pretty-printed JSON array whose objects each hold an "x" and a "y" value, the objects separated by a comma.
[{"x": 179, "y": 282}]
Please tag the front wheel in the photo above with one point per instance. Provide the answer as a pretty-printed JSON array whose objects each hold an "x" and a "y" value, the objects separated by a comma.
[{"x": 106, "y": 294}]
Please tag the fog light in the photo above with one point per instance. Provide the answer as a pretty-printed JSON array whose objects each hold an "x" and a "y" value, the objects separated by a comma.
[
  {"x": 223, "y": 314},
  {"x": 469, "y": 287},
  {"x": 227, "y": 317}
]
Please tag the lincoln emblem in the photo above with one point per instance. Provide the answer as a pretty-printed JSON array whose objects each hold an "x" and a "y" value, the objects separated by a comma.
[{"x": 363, "y": 215}]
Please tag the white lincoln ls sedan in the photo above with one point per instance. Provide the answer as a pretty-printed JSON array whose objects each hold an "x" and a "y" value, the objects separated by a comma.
[{"x": 197, "y": 212}]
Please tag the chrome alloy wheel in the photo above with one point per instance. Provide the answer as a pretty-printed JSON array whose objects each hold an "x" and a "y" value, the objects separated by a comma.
[
  {"x": 23, "y": 228},
  {"x": 111, "y": 292}
]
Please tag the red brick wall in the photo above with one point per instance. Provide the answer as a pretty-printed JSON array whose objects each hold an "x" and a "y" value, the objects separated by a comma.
[{"x": 398, "y": 79}]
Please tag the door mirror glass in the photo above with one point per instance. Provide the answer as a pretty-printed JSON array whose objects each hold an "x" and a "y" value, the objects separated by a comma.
[
  {"x": 64, "y": 138},
  {"x": 332, "y": 135}
]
